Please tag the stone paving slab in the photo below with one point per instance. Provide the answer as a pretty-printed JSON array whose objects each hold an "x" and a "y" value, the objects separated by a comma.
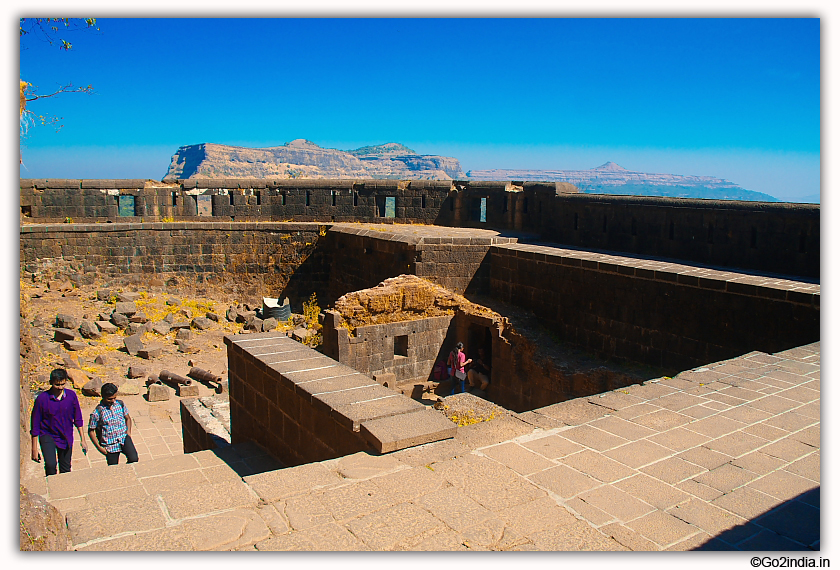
[{"x": 746, "y": 476}]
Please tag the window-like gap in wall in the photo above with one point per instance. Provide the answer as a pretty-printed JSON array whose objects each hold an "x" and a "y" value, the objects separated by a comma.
[
  {"x": 26, "y": 211},
  {"x": 332, "y": 194},
  {"x": 401, "y": 345},
  {"x": 230, "y": 195},
  {"x": 355, "y": 198},
  {"x": 282, "y": 198},
  {"x": 174, "y": 198},
  {"x": 390, "y": 207},
  {"x": 307, "y": 197},
  {"x": 422, "y": 200},
  {"x": 126, "y": 205},
  {"x": 259, "y": 197}
]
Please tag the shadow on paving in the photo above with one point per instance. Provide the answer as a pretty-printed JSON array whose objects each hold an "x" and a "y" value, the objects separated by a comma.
[
  {"x": 793, "y": 525},
  {"x": 248, "y": 458}
]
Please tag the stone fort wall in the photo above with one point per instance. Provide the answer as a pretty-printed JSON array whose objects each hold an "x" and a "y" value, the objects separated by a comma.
[{"x": 771, "y": 237}]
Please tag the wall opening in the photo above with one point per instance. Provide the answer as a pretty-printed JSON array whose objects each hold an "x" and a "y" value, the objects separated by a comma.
[
  {"x": 174, "y": 198},
  {"x": 126, "y": 205},
  {"x": 332, "y": 196},
  {"x": 283, "y": 199},
  {"x": 230, "y": 196},
  {"x": 478, "y": 210},
  {"x": 307, "y": 197},
  {"x": 26, "y": 211},
  {"x": 401, "y": 346},
  {"x": 423, "y": 201},
  {"x": 204, "y": 205},
  {"x": 355, "y": 198},
  {"x": 386, "y": 206},
  {"x": 258, "y": 194}
]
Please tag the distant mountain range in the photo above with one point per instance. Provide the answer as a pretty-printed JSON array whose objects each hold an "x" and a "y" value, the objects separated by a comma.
[
  {"x": 301, "y": 158},
  {"x": 304, "y": 159},
  {"x": 610, "y": 178}
]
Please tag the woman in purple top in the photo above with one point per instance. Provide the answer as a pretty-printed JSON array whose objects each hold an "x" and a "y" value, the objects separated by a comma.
[{"x": 54, "y": 414}]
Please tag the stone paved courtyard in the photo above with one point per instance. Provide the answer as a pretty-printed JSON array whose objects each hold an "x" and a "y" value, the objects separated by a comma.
[{"x": 723, "y": 457}]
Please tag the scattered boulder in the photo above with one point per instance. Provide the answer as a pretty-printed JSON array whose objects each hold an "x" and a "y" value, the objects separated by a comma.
[
  {"x": 120, "y": 320},
  {"x": 213, "y": 317},
  {"x": 254, "y": 325},
  {"x": 269, "y": 324},
  {"x": 180, "y": 325},
  {"x": 138, "y": 318},
  {"x": 89, "y": 330},
  {"x": 184, "y": 334},
  {"x": 243, "y": 316},
  {"x": 135, "y": 328},
  {"x": 232, "y": 316},
  {"x": 301, "y": 334},
  {"x": 126, "y": 308},
  {"x": 170, "y": 318},
  {"x": 38, "y": 321},
  {"x": 64, "y": 334},
  {"x": 128, "y": 296},
  {"x": 133, "y": 344},
  {"x": 102, "y": 360},
  {"x": 72, "y": 293},
  {"x": 150, "y": 352},
  {"x": 63, "y": 321},
  {"x": 103, "y": 317},
  {"x": 187, "y": 347},
  {"x": 202, "y": 323},
  {"x": 137, "y": 371},
  {"x": 70, "y": 362},
  {"x": 158, "y": 393},
  {"x": 75, "y": 345},
  {"x": 77, "y": 377},
  {"x": 183, "y": 313},
  {"x": 103, "y": 295},
  {"x": 161, "y": 328},
  {"x": 93, "y": 387},
  {"x": 129, "y": 389},
  {"x": 106, "y": 327},
  {"x": 63, "y": 285},
  {"x": 51, "y": 347},
  {"x": 173, "y": 301}
]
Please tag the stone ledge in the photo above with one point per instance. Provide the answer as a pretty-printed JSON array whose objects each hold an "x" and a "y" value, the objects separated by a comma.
[{"x": 407, "y": 430}]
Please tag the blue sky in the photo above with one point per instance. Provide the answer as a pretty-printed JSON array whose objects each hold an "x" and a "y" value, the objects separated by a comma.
[{"x": 733, "y": 98}]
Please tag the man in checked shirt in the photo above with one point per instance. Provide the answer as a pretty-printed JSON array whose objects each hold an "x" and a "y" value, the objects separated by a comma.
[{"x": 111, "y": 418}]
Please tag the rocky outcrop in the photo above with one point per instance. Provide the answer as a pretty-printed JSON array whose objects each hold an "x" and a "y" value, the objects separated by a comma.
[
  {"x": 304, "y": 159},
  {"x": 41, "y": 524},
  {"x": 610, "y": 178}
]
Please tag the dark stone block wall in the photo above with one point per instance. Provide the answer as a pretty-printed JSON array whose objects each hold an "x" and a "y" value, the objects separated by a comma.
[
  {"x": 285, "y": 257},
  {"x": 378, "y": 349},
  {"x": 774, "y": 237},
  {"x": 668, "y": 317}
]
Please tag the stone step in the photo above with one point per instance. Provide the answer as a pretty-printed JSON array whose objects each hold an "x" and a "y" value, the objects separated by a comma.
[{"x": 393, "y": 433}]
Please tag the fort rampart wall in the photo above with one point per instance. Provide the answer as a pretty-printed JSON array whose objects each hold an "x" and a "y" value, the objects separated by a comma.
[{"x": 772, "y": 237}]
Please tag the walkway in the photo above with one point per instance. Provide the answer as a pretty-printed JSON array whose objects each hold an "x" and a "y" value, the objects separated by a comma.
[{"x": 723, "y": 457}]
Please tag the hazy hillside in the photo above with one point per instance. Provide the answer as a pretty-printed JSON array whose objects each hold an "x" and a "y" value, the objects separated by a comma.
[{"x": 611, "y": 178}]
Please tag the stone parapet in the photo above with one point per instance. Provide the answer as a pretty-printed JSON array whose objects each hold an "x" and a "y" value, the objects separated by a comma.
[{"x": 303, "y": 406}]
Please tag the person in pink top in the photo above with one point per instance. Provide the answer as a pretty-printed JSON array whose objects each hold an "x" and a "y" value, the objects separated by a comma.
[{"x": 456, "y": 362}]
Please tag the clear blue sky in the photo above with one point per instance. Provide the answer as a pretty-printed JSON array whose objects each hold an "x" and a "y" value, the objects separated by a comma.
[{"x": 733, "y": 98}]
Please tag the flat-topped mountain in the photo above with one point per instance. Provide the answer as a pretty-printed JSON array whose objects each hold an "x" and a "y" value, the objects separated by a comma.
[
  {"x": 304, "y": 159},
  {"x": 610, "y": 178}
]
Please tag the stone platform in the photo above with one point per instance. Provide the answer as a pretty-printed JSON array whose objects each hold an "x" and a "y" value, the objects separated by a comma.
[{"x": 723, "y": 457}]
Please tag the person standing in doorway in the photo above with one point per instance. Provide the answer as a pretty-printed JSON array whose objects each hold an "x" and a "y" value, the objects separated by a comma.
[
  {"x": 54, "y": 414},
  {"x": 456, "y": 362}
]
